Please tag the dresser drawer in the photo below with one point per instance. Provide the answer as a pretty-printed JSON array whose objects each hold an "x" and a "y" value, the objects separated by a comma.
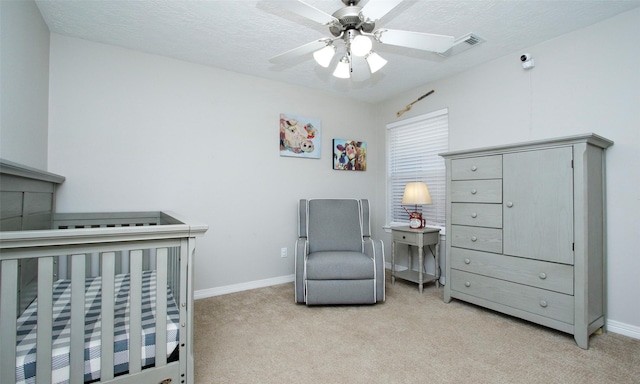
[
  {"x": 405, "y": 237},
  {"x": 541, "y": 274},
  {"x": 550, "y": 304},
  {"x": 476, "y": 191},
  {"x": 414, "y": 237},
  {"x": 478, "y": 238},
  {"x": 479, "y": 215},
  {"x": 485, "y": 167}
]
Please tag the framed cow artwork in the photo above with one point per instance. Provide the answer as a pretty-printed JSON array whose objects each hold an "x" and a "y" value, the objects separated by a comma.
[
  {"x": 349, "y": 155},
  {"x": 300, "y": 136}
]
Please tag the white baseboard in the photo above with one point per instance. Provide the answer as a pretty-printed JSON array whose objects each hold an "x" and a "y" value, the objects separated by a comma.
[
  {"x": 623, "y": 329},
  {"x": 210, "y": 292}
]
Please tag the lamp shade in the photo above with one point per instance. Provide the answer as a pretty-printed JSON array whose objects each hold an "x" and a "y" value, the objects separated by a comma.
[
  {"x": 416, "y": 193},
  {"x": 323, "y": 56},
  {"x": 375, "y": 61},
  {"x": 343, "y": 69}
]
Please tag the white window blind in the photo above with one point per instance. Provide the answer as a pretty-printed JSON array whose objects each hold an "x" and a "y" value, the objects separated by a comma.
[{"x": 412, "y": 155}]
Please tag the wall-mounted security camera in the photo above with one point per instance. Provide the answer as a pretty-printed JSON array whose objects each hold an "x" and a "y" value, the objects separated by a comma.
[{"x": 527, "y": 61}]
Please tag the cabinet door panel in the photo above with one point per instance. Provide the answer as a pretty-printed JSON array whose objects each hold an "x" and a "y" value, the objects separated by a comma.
[{"x": 538, "y": 204}]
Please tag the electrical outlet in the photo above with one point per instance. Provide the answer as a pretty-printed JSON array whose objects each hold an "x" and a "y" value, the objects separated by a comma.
[{"x": 283, "y": 252}]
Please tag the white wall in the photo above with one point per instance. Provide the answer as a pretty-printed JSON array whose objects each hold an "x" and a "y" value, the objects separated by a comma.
[
  {"x": 133, "y": 131},
  {"x": 24, "y": 88},
  {"x": 586, "y": 81}
]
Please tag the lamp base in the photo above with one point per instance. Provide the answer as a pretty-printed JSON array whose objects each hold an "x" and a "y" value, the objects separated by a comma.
[{"x": 416, "y": 221}]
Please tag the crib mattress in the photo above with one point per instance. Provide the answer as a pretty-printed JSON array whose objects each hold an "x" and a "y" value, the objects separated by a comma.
[{"x": 26, "y": 338}]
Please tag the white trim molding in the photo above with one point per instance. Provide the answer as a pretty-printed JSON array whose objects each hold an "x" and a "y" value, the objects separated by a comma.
[
  {"x": 217, "y": 291},
  {"x": 623, "y": 329}
]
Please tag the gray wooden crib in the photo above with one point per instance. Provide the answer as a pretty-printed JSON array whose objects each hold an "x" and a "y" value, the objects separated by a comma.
[{"x": 91, "y": 297}]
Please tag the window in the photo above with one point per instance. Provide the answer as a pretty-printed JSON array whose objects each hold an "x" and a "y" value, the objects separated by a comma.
[{"x": 412, "y": 155}]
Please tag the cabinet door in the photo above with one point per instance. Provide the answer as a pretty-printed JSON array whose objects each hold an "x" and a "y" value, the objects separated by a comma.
[{"x": 538, "y": 204}]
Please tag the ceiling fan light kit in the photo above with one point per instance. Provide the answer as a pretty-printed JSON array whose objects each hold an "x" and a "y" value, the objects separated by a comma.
[
  {"x": 343, "y": 69},
  {"x": 375, "y": 61},
  {"x": 355, "y": 26},
  {"x": 323, "y": 56},
  {"x": 361, "y": 45}
]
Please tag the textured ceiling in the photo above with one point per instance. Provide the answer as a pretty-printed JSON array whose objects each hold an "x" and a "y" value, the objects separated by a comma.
[{"x": 241, "y": 36}]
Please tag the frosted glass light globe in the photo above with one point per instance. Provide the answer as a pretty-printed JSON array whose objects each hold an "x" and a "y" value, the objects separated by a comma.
[
  {"x": 324, "y": 55},
  {"x": 361, "y": 45},
  {"x": 342, "y": 69},
  {"x": 375, "y": 62}
]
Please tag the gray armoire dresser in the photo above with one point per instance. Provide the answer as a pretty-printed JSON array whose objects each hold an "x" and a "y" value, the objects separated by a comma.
[{"x": 526, "y": 231}]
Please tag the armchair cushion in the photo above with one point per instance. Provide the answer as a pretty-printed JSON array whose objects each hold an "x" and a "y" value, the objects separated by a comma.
[
  {"x": 339, "y": 265},
  {"x": 334, "y": 225}
]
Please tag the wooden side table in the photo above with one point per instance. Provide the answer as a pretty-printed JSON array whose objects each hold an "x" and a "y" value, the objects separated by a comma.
[{"x": 416, "y": 237}]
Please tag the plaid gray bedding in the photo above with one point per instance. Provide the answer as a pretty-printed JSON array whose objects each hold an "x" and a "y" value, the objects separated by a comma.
[{"x": 26, "y": 338}]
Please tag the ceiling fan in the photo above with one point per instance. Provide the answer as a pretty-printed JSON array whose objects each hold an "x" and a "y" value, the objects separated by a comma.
[{"x": 355, "y": 26}]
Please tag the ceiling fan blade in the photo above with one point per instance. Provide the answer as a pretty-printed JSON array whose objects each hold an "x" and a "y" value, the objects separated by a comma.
[
  {"x": 416, "y": 40},
  {"x": 311, "y": 12},
  {"x": 283, "y": 58},
  {"x": 376, "y": 9}
]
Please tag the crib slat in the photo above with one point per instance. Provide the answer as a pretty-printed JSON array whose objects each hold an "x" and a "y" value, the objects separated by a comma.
[
  {"x": 186, "y": 333},
  {"x": 45, "y": 320},
  {"x": 174, "y": 271},
  {"x": 135, "y": 314},
  {"x": 187, "y": 252},
  {"x": 8, "y": 305},
  {"x": 161, "y": 307},
  {"x": 76, "y": 358},
  {"x": 107, "y": 310}
]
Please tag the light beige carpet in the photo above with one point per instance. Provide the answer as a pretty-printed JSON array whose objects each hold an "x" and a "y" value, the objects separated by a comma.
[{"x": 261, "y": 336}]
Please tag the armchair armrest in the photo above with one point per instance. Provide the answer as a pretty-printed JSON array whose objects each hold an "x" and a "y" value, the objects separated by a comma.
[
  {"x": 301, "y": 253},
  {"x": 375, "y": 250}
]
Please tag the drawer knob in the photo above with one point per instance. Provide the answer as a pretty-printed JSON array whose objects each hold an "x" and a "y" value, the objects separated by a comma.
[
  {"x": 404, "y": 237},
  {"x": 467, "y": 261},
  {"x": 474, "y": 168},
  {"x": 474, "y": 191},
  {"x": 543, "y": 304},
  {"x": 474, "y": 215},
  {"x": 473, "y": 238},
  {"x": 543, "y": 275},
  {"x": 467, "y": 284},
  {"x": 510, "y": 204}
]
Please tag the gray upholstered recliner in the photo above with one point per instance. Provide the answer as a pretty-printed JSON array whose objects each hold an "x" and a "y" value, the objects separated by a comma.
[{"x": 337, "y": 261}]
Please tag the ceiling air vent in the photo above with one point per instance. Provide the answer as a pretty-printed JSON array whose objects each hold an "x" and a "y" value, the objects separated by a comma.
[{"x": 462, "y": 44}]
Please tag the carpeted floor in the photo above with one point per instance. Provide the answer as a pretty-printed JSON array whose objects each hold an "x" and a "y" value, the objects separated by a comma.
[{"x": 261, "y": 336}]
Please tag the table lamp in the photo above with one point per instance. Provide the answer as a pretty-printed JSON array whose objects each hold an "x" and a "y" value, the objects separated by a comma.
[{"x": 417, "y": 194}]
